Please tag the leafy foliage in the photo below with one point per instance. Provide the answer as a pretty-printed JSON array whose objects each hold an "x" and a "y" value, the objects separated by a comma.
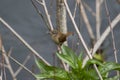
[{"x": 76, "y": 71}]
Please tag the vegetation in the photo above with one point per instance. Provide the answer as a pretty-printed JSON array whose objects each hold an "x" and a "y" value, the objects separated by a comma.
[{"x": 76, "y": 71}]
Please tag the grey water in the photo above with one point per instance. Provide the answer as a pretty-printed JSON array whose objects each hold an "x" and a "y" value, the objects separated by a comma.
[{"x": 21, "y": 15}]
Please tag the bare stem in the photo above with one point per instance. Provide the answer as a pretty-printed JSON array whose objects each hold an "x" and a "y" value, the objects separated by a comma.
[
  {"x": 98, "y": 19},
  {"x": 46, "y": 12},
  {"x": 23, "y": 41},
  {"x": 89, "y": 9},
  {"x": 81, "y": 38},
  {"x": 105, "y": 33},
  {"x": 77, "y": 30},
  {"x": 20, "y": 68},
  {"x": 41, "y": 15},
  {"x": 75, "y": 10},
  {"x": 103, "y": 36},
  {"x": 83, "y": 13},
  {"x": 112, "y": 34},
  {"x": 8, "y": 63}
]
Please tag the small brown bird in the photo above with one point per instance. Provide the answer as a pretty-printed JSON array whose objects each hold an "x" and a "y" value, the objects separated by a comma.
[{"x": 58, "y": 37}]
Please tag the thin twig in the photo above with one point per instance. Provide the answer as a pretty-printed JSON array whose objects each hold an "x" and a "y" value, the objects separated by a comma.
[
  {"x": 8, "y": 63},
  {"x": 98, "y": 19},
  {"x": 3, "y": 64},
  {"x": 83, "y": 13},
  {"x": 1, "y": 59},
  {"x": 20, "y": 68},
  {"x": 103, "y": 36},
  {"x": 112, "y": 34},
  {"x": 77, "y": 30},
  {"x": 105, "y": 33},
  {"x": 23, "y": 41},
  {"x": 1, "y": 76},
  {"x": 89, "y": 9},
  {"x": 81, "y": 38},
  {"x": 74, "y": 14},
  {"x": 46, "y": 12},
  {"x": 41, "y": 15}
]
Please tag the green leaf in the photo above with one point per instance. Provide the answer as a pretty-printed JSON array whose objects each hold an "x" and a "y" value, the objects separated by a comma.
[
  {"x": 80, "y": 57},
  {"x": 66, "y": 59},
  {"x": 90, "y": 75},
  {"x": 93, "y": 61},
  {"x": 108, "y": 66},
  {"x": 76, "y": 71},
  {"x": 68, "y": 56},
  {"x": 80, "y": 60},
  {"x": 41, "y": 65},
  {"x": 54, "y": 73},
  {"x": 113, "y": 78},
  {"x": 50, "y": 71},
  {"x": 67, "y": 51},
  {"x": 83, "y": 75}
]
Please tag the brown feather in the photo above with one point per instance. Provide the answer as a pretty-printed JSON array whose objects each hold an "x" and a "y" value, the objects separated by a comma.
[{"x": 58, "y": 37}]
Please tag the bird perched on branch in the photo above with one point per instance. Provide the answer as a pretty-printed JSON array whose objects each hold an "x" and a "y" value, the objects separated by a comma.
[{"x": 58, "y": 37}]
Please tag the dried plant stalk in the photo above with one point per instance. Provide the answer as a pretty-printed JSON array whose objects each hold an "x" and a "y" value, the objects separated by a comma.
[
  {"x": 83, "y": 13},
  {"x": 23, "y": 41},
  {"x": 43, "y": 3},
  {"x": 103, "y": 37},
  {"x": 98, "y": 20},
  {"x": 112, "y": 34},
  {"x": 81, "y": 38}
]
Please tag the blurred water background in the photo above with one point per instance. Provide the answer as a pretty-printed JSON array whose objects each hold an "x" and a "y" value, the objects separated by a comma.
[{"x": 21, "y": 15}]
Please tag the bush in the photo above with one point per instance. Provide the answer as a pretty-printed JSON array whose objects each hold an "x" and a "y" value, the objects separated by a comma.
[{"x": 76, "y": 71}]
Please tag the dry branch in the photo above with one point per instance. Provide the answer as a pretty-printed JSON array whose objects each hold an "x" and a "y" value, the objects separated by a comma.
[
  {"x": 43, "y": 3},
  {"x": 23, "y": 41},
  {"x": 85, "y": 18},
  {"x": 81, "y": 38},
  {"x": 112, "y": 34},
  {"x": 98, "y": 19},
  {"x": 103, "y": 36}
]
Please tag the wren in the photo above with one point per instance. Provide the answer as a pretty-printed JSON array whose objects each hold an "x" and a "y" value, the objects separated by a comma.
[{"x": 58, "y": 37}]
